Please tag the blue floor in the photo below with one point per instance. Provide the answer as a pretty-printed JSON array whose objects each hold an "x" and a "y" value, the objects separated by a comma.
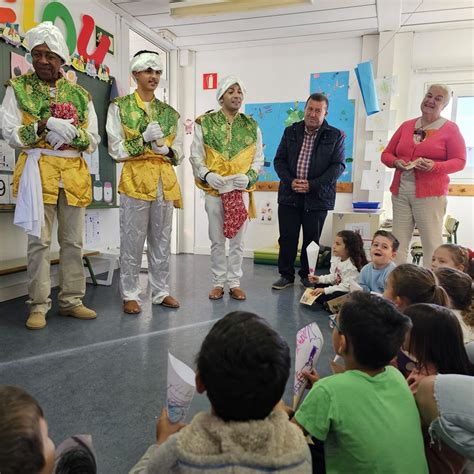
[{"x": 107, "y": 377}]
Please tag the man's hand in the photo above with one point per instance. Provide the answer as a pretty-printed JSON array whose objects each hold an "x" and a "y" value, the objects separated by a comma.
[
  {"x": 424, "y": 164},
  {"x": 164, "y": 427},
  {"x": 161, "y": 150},
  {"x": 215, "y": 180},
  {"x": 153, "y": 132},
  {"x": 55, "y": 140},
  {"x": 241, "y": 181},
  {"x": 63, "y": 127},
  {"x": 311, "y": 376},
  {"x": 300, "y": 185}
]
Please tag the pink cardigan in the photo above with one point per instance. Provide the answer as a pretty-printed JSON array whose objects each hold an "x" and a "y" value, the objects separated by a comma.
[{"x": 446, "y": 148}]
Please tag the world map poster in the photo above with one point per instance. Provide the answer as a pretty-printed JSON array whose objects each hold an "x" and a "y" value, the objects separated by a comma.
[{"x": 272, "y": 118}]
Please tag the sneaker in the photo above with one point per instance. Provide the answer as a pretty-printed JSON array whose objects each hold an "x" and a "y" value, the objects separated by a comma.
[
  {"x": 79, "y": 312},
  {"x": 281, "y": 283},
  {"x": 36, "y": 320},
  {"x": 306, "y": 283}
]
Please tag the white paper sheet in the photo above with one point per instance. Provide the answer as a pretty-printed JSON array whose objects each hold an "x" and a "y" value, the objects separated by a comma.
[
  {"x": 4, "y": 189},
  {"x": 309, "y": 343},
  {"x": 7, "y": 157},
  {"x": 180, "y": 389},
  {"x": 312, "y": 250},
  {"x": 92, "y": 160},
  {"x": 374, "y": 149},
  {"x": 92, "y": 228}
]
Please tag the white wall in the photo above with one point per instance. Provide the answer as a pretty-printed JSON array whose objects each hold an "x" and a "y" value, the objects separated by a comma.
[{"x": 270, "y": 74}]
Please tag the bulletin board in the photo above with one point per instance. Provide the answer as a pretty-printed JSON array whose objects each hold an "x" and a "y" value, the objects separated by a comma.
[{"x": 106, "y": 186}]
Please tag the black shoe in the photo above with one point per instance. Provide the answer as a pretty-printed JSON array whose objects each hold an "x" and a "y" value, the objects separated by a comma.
[
  {"x": 306, "y": 283},
  {"x": 281, "y": 283}
]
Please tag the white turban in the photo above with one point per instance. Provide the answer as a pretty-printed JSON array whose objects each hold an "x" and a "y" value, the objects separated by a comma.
[
  {"x": 47, "y": 33},
  {"x": 226, "y": 82},
  {"x": 146, "y": 60}
]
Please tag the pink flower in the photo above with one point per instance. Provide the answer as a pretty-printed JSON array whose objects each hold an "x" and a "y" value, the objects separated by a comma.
[{"x": 65, "y": 111}]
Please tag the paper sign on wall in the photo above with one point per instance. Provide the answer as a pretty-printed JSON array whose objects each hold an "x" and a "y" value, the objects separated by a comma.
[
  {"x": 309, "y": 343},
  {"x": 92, "y": 228},
  {"x": 180, "y": 389},
  {"x": 7, "y": 157},
  {"x": 374, "y": 149}
]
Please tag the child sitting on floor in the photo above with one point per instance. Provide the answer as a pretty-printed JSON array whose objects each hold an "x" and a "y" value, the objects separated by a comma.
[
  {"x": 382, "y": 252},
  {"x": 25, "y": 446},
  {"x": 243, "y": 365},
  {"x": 436, "y": 344},
  {"x": 454, "y": 256},
  {"x": 366, "y": 416},
  {"x": 348, "y": 258},
  {"x": 458, "y": 285}
]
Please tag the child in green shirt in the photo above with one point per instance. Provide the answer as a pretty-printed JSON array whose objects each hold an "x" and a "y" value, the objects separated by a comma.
[{"x": 366, "y": 416}]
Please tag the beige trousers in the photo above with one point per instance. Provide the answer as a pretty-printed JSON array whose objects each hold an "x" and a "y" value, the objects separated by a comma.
[
  {"x": 72, "y": 280},
  {"x": 427, "y": 214}
]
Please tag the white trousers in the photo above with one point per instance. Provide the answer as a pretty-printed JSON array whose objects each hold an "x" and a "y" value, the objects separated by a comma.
[
  {"x": 224, "y": 270},
  {"x": 140, "y": 220},
  {"x": 427, "y": 214}
]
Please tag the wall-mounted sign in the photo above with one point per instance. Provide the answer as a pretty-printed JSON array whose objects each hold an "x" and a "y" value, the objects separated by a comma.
[{"x": 209, "y": 80}]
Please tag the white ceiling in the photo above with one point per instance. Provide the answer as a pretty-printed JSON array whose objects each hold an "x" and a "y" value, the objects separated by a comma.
[{"x": 323, "y": 19}]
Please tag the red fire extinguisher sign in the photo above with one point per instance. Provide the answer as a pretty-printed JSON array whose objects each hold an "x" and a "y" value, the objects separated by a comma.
[{"x": 209, "y": 80}]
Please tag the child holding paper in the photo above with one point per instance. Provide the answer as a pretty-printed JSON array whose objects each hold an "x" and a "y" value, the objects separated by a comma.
[
  {"x": 243, "y": 365},
  {"x": 348, "y": 258},
  {"x": 366, "y": 416},
  {"x": 383, "y": 250}
]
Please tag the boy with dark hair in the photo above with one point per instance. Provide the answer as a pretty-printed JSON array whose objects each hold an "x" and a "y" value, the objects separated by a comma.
[
  {"x": 243, "y": 365},
  {"x": 382, "y": 253},
  {"x": 366, "y": 416}
]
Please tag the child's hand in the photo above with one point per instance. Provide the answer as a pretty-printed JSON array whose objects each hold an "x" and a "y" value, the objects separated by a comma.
[
  {"x": 311, "y": 376},
  {"x": 165, "y": 428},
  {"x": 414, "y": 379},
  {"x": 313, "y": 278},
  {"x": 317, "y": 292}
]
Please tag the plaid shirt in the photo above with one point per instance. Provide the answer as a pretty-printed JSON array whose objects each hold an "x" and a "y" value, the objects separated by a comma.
[{"x": 304, "y": 158}]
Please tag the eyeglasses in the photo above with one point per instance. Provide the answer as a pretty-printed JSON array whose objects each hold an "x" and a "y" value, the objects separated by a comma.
[
  {"x": 333, "y": 322},
  {"x": 419, "y": 134}
]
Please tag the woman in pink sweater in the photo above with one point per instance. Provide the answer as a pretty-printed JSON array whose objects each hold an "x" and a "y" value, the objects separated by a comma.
[{"x": 423, "y": 152}]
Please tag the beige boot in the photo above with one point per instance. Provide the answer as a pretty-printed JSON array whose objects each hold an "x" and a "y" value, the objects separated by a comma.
[
  {"x": 79, "y": 312},
  {"x": 36, "y": 320}
]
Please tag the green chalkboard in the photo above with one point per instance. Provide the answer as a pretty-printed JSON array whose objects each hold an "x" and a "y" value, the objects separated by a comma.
[{"x": 100, "y": 93}]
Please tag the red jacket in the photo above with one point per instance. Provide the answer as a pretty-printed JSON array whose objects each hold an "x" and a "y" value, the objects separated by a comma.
[{"x": 446, "y": 148}]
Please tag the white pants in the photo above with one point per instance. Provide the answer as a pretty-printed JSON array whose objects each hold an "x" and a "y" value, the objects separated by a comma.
[
  {"x": 140, "y": 220},
  {"x": 223, "y": 271},
  {"x": 427, "y": 214}
]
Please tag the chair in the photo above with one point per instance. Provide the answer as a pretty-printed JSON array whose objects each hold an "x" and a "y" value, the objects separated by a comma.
[{"x": 451, "y": 225}]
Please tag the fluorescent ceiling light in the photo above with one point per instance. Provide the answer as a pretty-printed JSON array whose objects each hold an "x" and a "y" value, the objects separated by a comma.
[{"x": 211, "y": 7}]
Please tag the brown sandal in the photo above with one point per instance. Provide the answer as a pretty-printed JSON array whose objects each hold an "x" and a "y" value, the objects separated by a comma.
[
  {"x": 237, "y": 294},
  {"x": 131, "y": 307},
  {"x": 216, "y": 293}
]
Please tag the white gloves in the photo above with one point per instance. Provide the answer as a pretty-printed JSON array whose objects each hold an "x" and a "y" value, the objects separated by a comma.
[
  {"x": 215, "y": 180},
  {"x": 55, "y": 140},
  {"x": 153, "y": 132},
  {"x": 241, "y": 181},
  {"x": 63, "y": 127},
  {"x": 161, "y": 150}
]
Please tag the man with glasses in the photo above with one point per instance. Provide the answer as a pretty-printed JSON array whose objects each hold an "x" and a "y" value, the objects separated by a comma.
[{"x": 52, "y": 121}]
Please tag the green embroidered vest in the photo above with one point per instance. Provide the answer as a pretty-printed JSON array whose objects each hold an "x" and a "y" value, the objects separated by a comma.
[{"x": 228, "y": 139}]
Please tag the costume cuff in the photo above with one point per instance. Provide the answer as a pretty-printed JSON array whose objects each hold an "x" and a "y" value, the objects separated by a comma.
[
  {"x": 252, "y": 176},
  {"x": 82, "y": 141},
  {"x": 134, "y": 146},
  {"x": 27, "y": 134}
]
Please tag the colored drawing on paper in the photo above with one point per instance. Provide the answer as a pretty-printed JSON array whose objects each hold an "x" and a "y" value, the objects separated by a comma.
[
  {"x": 335, "y": 85},
  {"x": 273, "y": 118}
]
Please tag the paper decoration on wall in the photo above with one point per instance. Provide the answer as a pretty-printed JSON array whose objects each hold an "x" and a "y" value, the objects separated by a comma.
[
  {"x": 7, "y": 157},
  {"x": 188, "y": 126},
  {"x": 56, "y": 10},
  {"x": 180, "y": 389},
  {"x": 92, "y": 228},
  {"x": 265, "y": 213},
  {"x": 7, "y": 15},
  {"x": 382, "y": 121},
  {"x": 99, "y": 32},
  {"x": 70, "y": 75},
  {"x": 92, "y": 160},
  {"x": 88, "y": 26},
  {"x": 374, "y": 149},
  {"x": 19, "y": 64},
  {"x": 5, "y": 188},
  {"x": 375, "y": 180},
  {"x": 309, "y": 343},
  {"x": 365, "y": 78},
  {"x": 10, "y": 34},
  {"x": 335, "y": 85}
]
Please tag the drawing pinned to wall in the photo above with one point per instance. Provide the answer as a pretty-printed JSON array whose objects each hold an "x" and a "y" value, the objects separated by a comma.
[
  {"x": 309, "y": 343},
  {"x": 265, "y": 213},
  {"x": 92, "y": 228},
  {"x": 382, "y": 121},
  {"x": 20, "y": 64},
  {"x": 374, "y": 148},
  {"x": 273, "y": 118},
  {"x": 335, "y": 85},
  {"x": 180, "y": 389}
]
